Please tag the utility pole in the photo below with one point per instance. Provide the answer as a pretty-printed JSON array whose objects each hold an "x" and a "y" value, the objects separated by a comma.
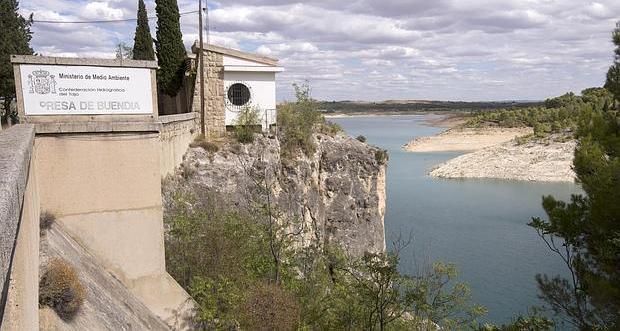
[{"x": 202, "y": 72}]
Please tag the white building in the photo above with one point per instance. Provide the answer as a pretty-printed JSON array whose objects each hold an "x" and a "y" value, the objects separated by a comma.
[{"x": 235, "y": 80}]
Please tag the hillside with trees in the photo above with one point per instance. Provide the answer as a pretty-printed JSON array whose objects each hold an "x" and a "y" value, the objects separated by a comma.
[
  {"x": 558, "y": 116},
  {"x": 417, "y": 106}
]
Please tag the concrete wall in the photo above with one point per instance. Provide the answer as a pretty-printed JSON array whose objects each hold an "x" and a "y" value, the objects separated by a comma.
[
  {"x": 19, "y": 230},
  {"x": 105, "y": 189},
  {"x": 100, "y": 175},
  {"x": 177, "y": 132}
]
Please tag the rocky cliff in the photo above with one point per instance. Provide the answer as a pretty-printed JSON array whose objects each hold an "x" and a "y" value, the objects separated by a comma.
[{"x": 337, "y": 194}]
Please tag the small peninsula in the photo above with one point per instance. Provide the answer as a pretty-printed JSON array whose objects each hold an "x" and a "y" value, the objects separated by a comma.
[{"x": 531, "y": 144}]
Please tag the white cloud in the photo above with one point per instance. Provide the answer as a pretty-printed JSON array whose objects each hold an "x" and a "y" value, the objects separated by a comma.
[
  {"x": 101, "y": 11},
  {"x": 373, "y": 50}
]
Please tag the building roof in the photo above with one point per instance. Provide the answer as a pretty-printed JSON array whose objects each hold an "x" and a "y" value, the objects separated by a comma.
[{"x": 236, "y": 53}]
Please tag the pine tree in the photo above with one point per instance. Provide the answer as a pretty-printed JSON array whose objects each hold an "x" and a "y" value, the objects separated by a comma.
[
  {"x": 612, "y": 84},
  {"x": 15, "y": 38},
  {"x": 170, "y": 49},
  {"x": 587, "y": 229},
  {"x": 143, "y": 42}
]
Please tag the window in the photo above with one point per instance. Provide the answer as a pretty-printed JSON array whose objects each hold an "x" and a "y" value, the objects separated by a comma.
[{"x": 238, "y": 94}]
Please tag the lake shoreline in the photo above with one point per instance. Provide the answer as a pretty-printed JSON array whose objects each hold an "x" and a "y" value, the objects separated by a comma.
[{"x": 495, "y": 153}]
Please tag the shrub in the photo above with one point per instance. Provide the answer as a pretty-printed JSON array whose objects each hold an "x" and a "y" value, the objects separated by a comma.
[
  {"x": 361, "y": 138},
  {"x": 245, "y": 125},
  {"x": 61, "y": 289},
  {"x": 330, "y": 128},
  {"x": 187, "y": 170},
  {"x": 297, "y": 121},
  {"x": 203, "y": 143},
  {"x": 524, "y": 139},
  {"x": 269, "y": 307},
  {"x": 46, "y": 219},
  {"x": 381, "y": 155}
]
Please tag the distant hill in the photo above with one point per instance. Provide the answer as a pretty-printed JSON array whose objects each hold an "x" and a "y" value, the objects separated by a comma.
[{"x": 415, "y": 106}]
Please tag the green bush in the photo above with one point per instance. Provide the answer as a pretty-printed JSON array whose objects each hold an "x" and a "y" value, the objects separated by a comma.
[
  {"x": 361, "y": 138},
  {"x": 61, "y": 289},
  {"x": 245, "y": 125},
  {"x": 330, "y": 128},
  {"x": 223, "y": 259},
  {"x": 297, "y": 121},
  {"x": 524, "y": 139},
  {"x": 381, "y": 156}
]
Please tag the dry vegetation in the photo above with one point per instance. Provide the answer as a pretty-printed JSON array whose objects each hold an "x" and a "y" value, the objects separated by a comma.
[
  {"x": 60, "y": 288},
  {"x": 46, "y": 220},
  {"x": 202, "y": 142}
]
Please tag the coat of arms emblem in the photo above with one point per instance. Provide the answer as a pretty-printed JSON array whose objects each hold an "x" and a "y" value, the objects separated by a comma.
[{"x": 41, "y": 82}]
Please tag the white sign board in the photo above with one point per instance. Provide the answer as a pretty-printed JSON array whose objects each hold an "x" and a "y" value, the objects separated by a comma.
[{"x": 85, "y": 90}]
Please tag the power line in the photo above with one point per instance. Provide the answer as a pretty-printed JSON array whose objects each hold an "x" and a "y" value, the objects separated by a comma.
[{"x": 104, "y": 21}]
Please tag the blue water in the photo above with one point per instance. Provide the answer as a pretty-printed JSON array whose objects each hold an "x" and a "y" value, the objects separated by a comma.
[{"x": 480, "y": 225}]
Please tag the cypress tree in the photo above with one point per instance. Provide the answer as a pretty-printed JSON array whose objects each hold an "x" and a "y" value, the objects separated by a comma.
[
  {"x": 15, "y": 38},
  {"x": 143, "y": 42},
  {"x": 170, "y": 49}
]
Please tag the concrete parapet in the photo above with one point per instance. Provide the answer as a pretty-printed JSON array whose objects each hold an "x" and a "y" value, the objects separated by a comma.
[
  {"x": 96, "y": 127},
  {"x": 34, "y": 59},
  {"x": 19, "y": 236}
]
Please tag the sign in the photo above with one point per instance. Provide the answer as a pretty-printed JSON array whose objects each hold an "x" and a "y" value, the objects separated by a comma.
[{"x": 85, "y": 90}]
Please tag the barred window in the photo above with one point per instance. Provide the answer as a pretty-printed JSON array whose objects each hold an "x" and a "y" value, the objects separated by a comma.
[{"x": 238, "y": 94}]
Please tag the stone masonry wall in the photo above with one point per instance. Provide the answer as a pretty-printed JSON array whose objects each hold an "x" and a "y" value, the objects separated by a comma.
[{"x": 215, "y": 111}]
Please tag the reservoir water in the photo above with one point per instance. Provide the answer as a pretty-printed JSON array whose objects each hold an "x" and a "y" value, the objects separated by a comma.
[{"x": 480, "y": 225}]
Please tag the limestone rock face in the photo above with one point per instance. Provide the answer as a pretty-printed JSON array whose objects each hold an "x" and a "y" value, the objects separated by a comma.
[{"x": 337, "y": 195}]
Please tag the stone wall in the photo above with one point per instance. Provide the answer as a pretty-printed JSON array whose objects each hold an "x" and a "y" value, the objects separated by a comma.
[
  {"x": 19, "y": 230},
  {"x": 215, "y": 111},
  {"x": 177, "y": 132}
]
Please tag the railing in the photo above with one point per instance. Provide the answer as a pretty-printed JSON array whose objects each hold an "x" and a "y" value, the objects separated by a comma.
[{"x": 270, "y": 121}]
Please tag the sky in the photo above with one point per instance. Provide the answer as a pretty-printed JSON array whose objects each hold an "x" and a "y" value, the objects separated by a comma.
[{"x": 372, "y": 50}]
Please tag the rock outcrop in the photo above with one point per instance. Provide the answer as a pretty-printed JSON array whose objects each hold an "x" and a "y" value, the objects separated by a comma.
[
  {"x": 465, "y": 139},
  {"x": 549, "y": 161},
  {"x": 337, "y": 193}
]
